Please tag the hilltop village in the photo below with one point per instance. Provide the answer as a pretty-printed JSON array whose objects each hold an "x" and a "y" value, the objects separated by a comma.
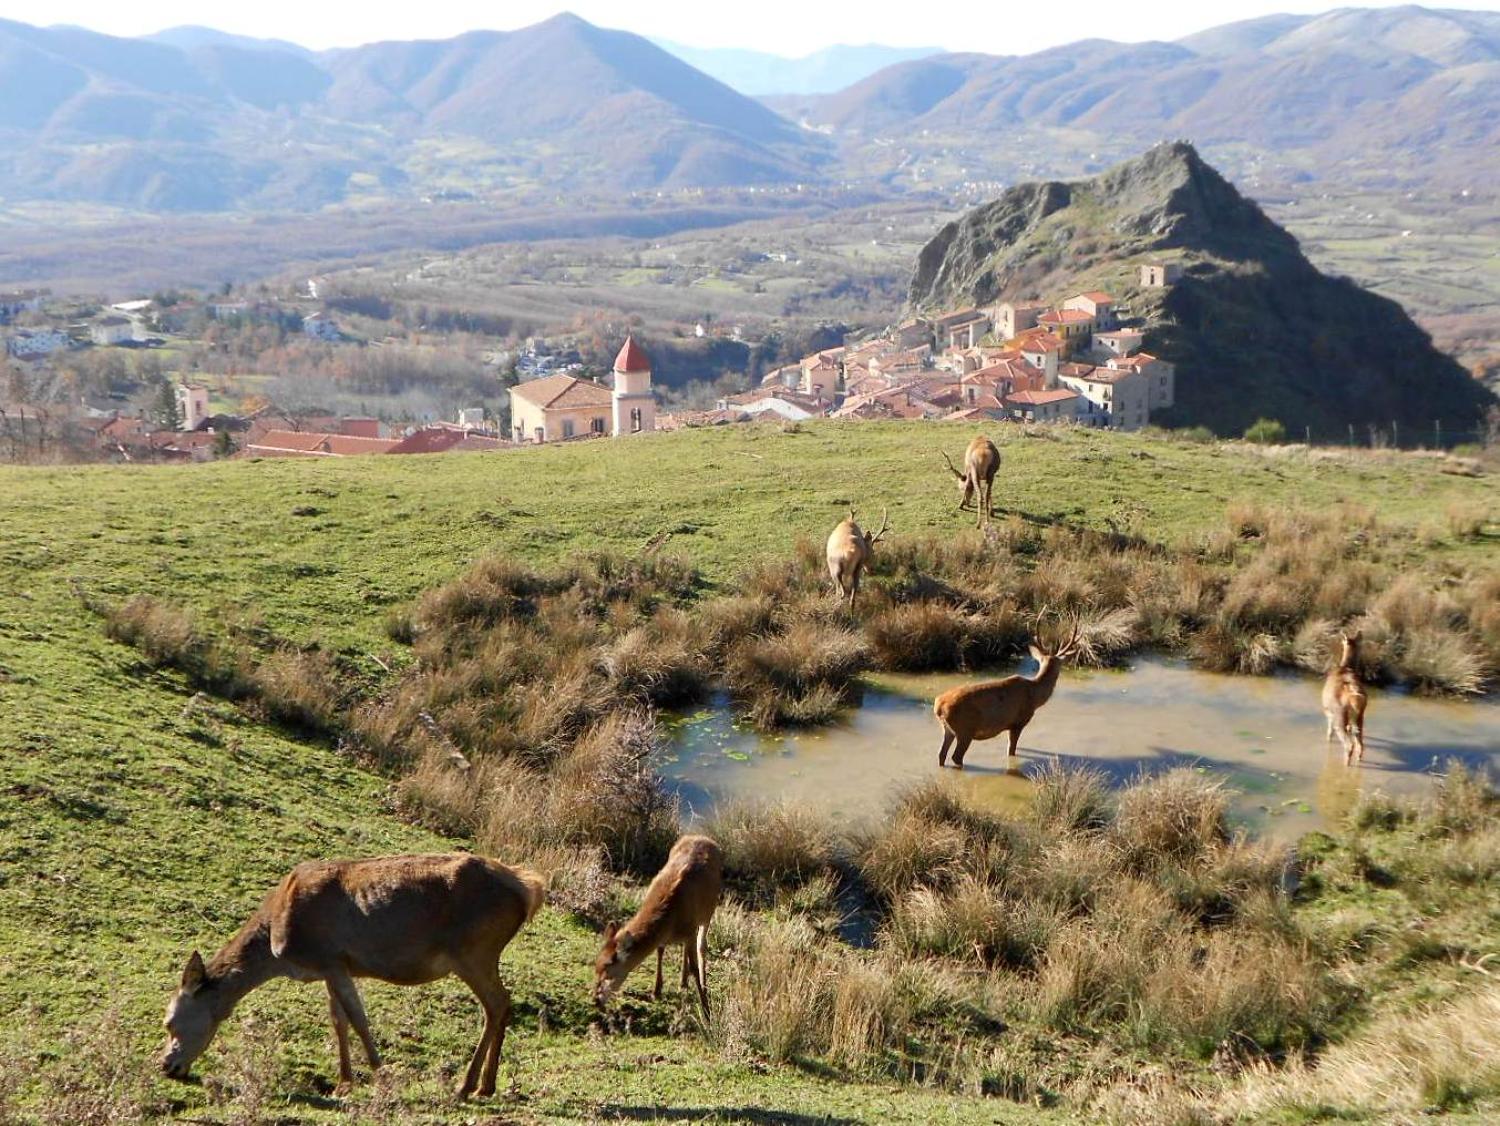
[{"x": 1079, "y": 362}]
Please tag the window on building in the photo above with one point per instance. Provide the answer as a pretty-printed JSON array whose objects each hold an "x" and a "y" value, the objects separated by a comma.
[
  {"x": 635, "y": 420},
  {"x": 596, "y": 426},
  {"x": 541, "y": 435},
  {"x": 567, "y": 428}
]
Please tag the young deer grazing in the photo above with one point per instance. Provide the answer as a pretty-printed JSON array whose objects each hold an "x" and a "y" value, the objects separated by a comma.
[
  {"x": 982, "y": 711},
  {"x": 849, "y": 551},
  {"x": 977, "y": 481},
  {"x": 408, "y": 920},
  {"x": 1344, "y": 700},
  {"x": 678, "y": 905}
]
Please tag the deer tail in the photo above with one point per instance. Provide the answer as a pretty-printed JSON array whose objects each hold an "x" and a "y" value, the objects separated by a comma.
[
  {"x": 282, "y": 908},
  {"x": 533, "y": 889}
]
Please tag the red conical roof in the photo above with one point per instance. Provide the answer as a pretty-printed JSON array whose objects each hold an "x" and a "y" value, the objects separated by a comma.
[{"x": 632, "y": 357}]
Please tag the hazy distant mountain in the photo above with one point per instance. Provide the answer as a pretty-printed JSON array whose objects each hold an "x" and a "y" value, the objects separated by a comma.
[
  {"x": 1255, "y": 329},
  {"x": 646, "y": 117},
  {"x": 193, "y": 119},
  {"x": 1411, "y": 87},
  {"x": 190, "y": 36},
  {"x": 757, "y": 73}
]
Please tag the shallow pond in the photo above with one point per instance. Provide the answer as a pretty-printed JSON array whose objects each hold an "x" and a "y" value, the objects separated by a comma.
[{"x": 1264, "y": 736}]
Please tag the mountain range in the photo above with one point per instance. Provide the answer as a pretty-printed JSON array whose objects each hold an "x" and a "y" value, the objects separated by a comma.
[
  {"x": 1254, "y": 328},
  {"x": 196, "y": 120}
]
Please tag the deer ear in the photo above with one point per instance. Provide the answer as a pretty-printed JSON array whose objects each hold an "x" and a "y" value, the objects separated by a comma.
[
  {"x": 1355, "y": 636},
  {"x": 610, "y": 930},
  {"x": 193, "y": 973},
  {"x": 1036, "y": 654}
]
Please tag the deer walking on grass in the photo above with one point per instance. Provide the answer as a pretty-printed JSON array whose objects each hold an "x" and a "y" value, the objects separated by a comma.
[
  {"x": 1344, "y": 700},
  {"x": 677, "y": 908},
  {"x": 984, "y": 710},
  {"x": 408, "y": 920},
  {"x": 849, "y": 552},
  {"x": 977, "y": 481}
]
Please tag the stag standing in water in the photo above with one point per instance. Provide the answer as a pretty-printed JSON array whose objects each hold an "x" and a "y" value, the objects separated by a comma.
[
  {"x": 984, "y": 710},
  {"x": 407, "y": 920},
  {"x": 977, "y": 481},
  {"x": 1344, "y": 700},
  {"x": 677, "y": 908},
  {"x": 849, "y": 551}
]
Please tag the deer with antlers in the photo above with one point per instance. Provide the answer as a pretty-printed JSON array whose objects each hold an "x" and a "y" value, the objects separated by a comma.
[
  {"x": 977, "y": 481},
  {"x": 408, "y": 920},
  {"x": 984, "y": 710},
  {"x": 849, "y": 552},
  {"x": 1344, "y": 700}
]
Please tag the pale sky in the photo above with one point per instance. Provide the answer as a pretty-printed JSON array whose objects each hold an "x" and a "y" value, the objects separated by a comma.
[{"x": 784, "y": 27}]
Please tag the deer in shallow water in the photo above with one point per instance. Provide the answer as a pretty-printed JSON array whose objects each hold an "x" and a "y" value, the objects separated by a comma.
[
  {"x": 984, "y": 710},
  {"x": 677, "y": 908},
  {"x": 977, "y": 481},
  {"x": 849, "y": 552},
  {"x": 408, "y": 920},
  {"x": 1344, "y": 700}
]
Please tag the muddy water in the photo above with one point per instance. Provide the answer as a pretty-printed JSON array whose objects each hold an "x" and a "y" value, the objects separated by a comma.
[{"x": 1264, "y": 737}]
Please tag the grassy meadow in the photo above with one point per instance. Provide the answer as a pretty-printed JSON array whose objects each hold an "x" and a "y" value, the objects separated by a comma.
[{"x": 140, "y": 817}]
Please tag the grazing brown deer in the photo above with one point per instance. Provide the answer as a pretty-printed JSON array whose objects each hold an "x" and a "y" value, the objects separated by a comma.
[
  {"x": 408, "y": 920},
  {"x": 1344, "y": 700},
  {"x": 677, "y": 908},
  {"x": 982, "y": 711},
  {"x": 977, "y": 481},
  {"x": 849, "y": 551}
]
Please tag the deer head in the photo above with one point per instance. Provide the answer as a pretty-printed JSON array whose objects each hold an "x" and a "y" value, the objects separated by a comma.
[
  {"x": 1349, "y": 649},
  {"x": 965, "y": 481},
  {"x": 1061, "y": 652},
  {"x": 613, "y": 965},
  {"x": 885, "y": 524},
  {"x": 192, "y": 1019}
]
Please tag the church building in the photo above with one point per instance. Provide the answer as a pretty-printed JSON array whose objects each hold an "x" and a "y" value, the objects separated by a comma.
[{"x": 559, "y": 407}]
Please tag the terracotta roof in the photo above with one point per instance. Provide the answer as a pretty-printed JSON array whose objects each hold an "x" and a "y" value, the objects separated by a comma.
[
  {"x": 1039, "y": 340},
  {"x": 1065, "y": 316},
  {"x": 1097, "y": 296},
  {"x": 1139, "y": 360},
  {"x": 632, "y": 357},
  {"x": 564, "y": 391},
  {"x": 316, "y": 444},
  {"x": 962, "y": 317},
  {"x": 1037, "y": 398},
  {"x": 430, "y": 440}
]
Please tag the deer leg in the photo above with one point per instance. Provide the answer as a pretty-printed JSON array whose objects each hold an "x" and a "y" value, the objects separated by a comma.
[
  {"x": 700, "y": 963},
  {"x": 1015, "y": 738},
  {"x": 947, "y": 742},
  {"x": 686, "y": 966},
  {"x": 341, "y": 1035},
  {"x": 341, "y": 985},
  {"x": 485, "y": 1061},
  {"x": 656, "y": 989},
  {"x": 1359, "y": 733},
  {"x": 1329, "y": 717},
  {"x": 959, "y": 751}
]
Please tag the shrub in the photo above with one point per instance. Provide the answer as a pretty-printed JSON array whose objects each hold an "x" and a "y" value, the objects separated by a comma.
[
  {"x": 1173, "y": 818},
  {"x": 771, "y": 846},
  {"x": 1266, "y": 431},
  {"x": 1071, "y": 800}
]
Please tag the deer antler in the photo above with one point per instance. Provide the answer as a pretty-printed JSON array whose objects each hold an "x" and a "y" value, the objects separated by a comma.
[
  {"x": 951, "y": 470},
  {"x": 1071, "y": 645},
  {"x": 885, "y": 523}
]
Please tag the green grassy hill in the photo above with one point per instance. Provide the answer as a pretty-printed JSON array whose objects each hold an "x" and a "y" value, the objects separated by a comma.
[{"x": 137, "y": 820}]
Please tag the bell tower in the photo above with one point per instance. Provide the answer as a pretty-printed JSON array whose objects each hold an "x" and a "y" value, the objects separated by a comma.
[{"x": 634, "y": 406}]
